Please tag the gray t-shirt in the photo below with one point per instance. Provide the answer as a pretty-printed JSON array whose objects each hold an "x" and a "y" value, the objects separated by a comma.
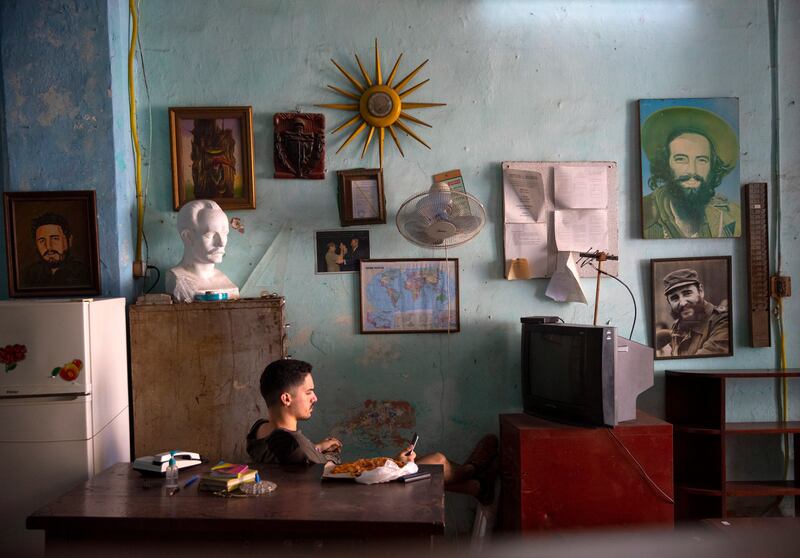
[{"x": 285, "y": 447}]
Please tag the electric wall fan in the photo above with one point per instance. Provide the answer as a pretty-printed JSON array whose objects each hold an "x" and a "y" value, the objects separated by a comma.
[{"x": 440, "y": 217}]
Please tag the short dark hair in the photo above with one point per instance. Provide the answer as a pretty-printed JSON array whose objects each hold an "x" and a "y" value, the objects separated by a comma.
[
  {"x": 282, "y": 376},
  {"x": 50, "y": 219}
]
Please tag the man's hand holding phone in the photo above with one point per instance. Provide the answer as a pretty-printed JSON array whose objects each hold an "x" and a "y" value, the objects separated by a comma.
[{"x": 408, "y": 454}]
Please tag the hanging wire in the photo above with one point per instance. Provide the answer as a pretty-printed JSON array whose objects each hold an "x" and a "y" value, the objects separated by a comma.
[{"x": 620, "y": 281}]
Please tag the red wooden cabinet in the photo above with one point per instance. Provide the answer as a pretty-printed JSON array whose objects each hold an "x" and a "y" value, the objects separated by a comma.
[{"x": 557, "y": 476}]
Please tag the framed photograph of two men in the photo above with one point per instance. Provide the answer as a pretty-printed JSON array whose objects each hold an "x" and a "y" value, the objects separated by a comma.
[{"x": 690, "y": 168}]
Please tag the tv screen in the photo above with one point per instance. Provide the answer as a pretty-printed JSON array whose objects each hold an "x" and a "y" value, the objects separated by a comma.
[{"x": 582, "y": 374}]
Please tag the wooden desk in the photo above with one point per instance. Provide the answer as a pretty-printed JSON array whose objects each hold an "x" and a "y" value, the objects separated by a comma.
[{"x": 120, "y": 505}]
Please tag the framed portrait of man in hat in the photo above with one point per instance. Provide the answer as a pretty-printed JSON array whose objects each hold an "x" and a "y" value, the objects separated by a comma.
[
  {"x": 690, "y": 168},
  {"x": 692, "y": 313}
]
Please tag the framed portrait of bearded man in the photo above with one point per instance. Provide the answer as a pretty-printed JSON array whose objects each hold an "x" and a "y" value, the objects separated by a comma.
[
  {"x": 212, "y": 156},
  {"x": 692, "y": 310},
  {"x": 690, "y": 168}
]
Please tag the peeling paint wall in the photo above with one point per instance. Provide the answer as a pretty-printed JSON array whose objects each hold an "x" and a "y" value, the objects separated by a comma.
[
  {"x": 523, "y": 80},
  {"x": 59, "y": 118}
]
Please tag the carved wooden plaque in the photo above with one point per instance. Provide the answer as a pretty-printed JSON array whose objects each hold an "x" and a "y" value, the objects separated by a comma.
[
  {"x": 299, "y": 145},
  {"x": 195, "y": 371}
]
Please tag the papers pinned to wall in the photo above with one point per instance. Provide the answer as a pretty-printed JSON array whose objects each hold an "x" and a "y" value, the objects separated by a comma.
[
  {"x": 583, "y": 187},
  {"x": 565, "y": 284},
  {"x": 581, "y": 230},
  {"x": 554, "y": 207},
  {"x": 523, "y": 196}
]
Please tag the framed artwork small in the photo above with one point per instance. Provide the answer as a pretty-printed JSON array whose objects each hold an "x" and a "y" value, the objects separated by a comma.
[
  {"x": 692, "y": 307},
  {"x": 409, "y": 296},
  {"x": 299, "y": 150},
  {"x": 361, "y": 197},
  {"x": 341, "y": 251},
  {"x": 51, "y": 243},
  {"x": 212, "y": 156}
]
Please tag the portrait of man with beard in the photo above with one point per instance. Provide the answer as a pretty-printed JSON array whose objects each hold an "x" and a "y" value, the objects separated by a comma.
[
  {"x": 690, "y": 151},
  {"x": 699, "y": 327},
  {"x": 57, "y": 267}
]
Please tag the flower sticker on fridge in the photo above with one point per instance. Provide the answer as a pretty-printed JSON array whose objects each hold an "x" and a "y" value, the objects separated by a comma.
[
  {"x": 69, "y": 372},
  {"x": 10, "y": 355}
]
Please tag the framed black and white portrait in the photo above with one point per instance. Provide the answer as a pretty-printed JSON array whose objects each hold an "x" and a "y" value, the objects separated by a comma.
[{"x": 692, "y": 307}]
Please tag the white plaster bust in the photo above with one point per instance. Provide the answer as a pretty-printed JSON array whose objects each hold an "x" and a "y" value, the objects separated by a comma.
[{"x": 203, "y": 227}]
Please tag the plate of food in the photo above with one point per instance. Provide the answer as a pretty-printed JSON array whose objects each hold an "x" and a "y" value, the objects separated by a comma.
[{"x": 370, "y": 470}]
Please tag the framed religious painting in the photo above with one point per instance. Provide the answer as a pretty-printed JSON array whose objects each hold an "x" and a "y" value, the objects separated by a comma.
[
  {"x": 409, "y": 296},
  {"x": 212, "y": 156},
  {"x": 690, "y": 168},
  {"x": 361, "y": 197},
  {"x": 692, "y": 307},
  {"x": 51, "y": 243}
]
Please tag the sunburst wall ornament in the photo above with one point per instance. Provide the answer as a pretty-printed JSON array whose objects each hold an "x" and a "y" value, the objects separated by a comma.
[{"x": 380, "y": 105}]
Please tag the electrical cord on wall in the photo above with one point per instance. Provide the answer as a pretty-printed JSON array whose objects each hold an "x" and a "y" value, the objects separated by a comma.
[
  {"x": 138, "y": 263},
  {"x": 633, "y": 299},
  {"x": 658, "y": 490},
  {"x": 774, "y": 20}
]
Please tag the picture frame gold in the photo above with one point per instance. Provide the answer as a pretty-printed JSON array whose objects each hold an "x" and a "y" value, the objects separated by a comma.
[
  {"x": 212, "y": 156},
  {"x": 361, "y": 197},
  {"x": 51, "y": 243}
]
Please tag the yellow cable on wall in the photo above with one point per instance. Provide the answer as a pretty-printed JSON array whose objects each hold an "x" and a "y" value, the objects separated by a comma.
[{"x": 138, "y": 267}]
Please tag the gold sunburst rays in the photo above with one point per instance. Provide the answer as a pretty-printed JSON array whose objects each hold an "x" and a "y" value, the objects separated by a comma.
[{"x": 379, "y": 105}]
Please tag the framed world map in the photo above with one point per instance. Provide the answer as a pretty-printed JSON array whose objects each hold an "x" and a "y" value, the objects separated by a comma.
[{"x": 409, "y": 296}]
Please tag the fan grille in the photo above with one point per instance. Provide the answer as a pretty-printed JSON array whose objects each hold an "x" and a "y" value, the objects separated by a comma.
[{"x": 440, "y": 219}]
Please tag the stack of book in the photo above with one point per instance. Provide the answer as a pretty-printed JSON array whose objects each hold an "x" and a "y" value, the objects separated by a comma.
[{"x": 227, "y": 476}]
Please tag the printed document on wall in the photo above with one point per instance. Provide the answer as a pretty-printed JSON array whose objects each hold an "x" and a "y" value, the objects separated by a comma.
[
  {"x": 581, "y": 230},
  {"x": 565, "y": 284},
  {"x": 584, "y": 187},
  {"x": 523, "y": 196},
  {"x": 529, "y": 241}
]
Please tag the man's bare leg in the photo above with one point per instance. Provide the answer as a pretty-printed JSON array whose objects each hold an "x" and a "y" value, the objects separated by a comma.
[{"x": 453, "y": 472}]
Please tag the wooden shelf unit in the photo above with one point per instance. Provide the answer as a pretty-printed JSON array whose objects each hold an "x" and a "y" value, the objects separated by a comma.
[{"x": 696, "y": 407}]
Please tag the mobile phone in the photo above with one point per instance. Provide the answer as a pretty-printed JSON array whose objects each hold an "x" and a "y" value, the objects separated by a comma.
[
  {"x": 414, "y": 440},
  {"x": 413, "y": 477}
]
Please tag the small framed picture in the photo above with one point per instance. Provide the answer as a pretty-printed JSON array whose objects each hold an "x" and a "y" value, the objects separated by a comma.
[
  {"x": 51, "y": 243},
  {"x": 341, "y": 251},
  {"x": 361, "y": 198},
  {"x": 409, "y": 296},
  {"x": 212, "y": 156},
  {"x": 692, "y": 312}
]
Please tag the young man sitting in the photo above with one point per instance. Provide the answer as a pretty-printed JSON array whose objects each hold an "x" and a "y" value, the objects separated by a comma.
[{"x": 288, "y": 390}]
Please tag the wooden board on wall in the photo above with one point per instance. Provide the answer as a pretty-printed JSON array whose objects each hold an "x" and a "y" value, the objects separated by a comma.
[
  {"x": 195, "y": 372},
  {"x": 547, "y": 170}
]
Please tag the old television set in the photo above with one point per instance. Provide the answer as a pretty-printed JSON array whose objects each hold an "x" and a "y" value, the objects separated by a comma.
[{"x": 582, "y": 374}]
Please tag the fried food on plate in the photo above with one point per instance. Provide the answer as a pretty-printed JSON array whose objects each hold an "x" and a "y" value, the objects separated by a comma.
[{"x": 355, "y": 468}]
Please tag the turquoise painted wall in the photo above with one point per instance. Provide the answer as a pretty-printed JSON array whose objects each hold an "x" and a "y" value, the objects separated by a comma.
[
  {"x": 522, "y": 80},
  {"x": 62, "y": 127}
]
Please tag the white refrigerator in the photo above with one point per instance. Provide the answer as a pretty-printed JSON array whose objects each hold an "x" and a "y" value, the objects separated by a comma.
[{"x": 63, "y": 404}]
